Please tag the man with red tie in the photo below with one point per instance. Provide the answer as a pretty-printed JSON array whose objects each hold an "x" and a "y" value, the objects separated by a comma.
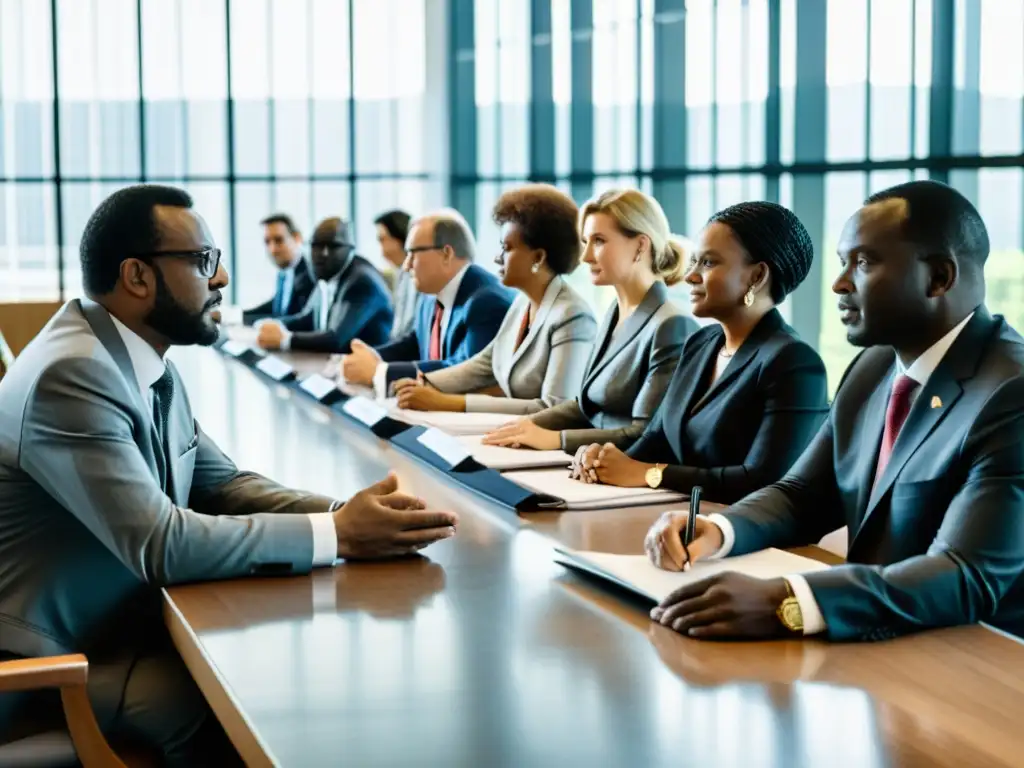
[
  {"x": 459, "y": 311},
  {"x": 922, "y": 456}
]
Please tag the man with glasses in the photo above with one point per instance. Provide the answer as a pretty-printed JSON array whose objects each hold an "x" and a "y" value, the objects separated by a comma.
[
  {"x": 351, "y": 300},
  {"x": 458, "y": 313},
  {"x": 109, "y": 490}
]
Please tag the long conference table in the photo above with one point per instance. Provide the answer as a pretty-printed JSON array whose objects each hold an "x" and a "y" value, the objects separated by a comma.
[{"x": 486, "y": 652}]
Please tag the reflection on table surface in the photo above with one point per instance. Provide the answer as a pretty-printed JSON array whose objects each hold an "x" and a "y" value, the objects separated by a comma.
[{"x": 485, "y": 652}]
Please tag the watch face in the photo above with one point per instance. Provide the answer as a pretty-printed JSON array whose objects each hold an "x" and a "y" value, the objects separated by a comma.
[
  {"x": 653, "y": 477},
  {"x": 791, "y": 615}
]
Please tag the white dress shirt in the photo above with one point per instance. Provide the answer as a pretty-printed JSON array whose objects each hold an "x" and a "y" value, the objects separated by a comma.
[
  {"x": 149, "y": 367},
  {"x": 404, "y": 296},
  {"x": 447, "y": 297},
  {"x": 324, "y": 295},
  {"x": 920, "y": 371}
]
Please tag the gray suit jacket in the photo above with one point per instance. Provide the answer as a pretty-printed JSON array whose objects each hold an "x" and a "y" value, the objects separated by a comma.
[
  {"x": 86, "y": 529},
  {"x": 626, "y": 377},
  {"x": 546, "y": 369}
]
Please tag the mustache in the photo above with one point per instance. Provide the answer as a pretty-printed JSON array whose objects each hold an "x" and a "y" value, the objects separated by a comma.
[
  {"x": 845, "y": 305},
  {"x": 215, "y": 301}
]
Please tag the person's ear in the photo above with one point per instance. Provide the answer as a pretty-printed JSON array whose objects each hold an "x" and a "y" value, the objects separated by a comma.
[
  {"x": 943, "y": 272},
  {"x": 540, "y": 260},
  {"x": 643, "y": 246},
  {"x": 135, "y": 278},
  {"x": 760, "y": 276}
]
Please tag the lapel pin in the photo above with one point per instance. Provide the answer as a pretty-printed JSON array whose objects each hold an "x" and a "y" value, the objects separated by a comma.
[{"x": 936, "y": 403}]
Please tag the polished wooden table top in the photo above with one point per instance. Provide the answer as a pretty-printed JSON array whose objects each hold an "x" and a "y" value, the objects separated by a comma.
[{"x": 484, "y": 651}]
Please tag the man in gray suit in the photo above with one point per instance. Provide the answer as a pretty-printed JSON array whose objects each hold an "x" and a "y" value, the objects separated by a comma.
[{"x": 109, "y": 489}]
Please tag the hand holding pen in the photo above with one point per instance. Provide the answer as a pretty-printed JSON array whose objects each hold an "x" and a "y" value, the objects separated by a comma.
[{"x": 679, "y": 539}]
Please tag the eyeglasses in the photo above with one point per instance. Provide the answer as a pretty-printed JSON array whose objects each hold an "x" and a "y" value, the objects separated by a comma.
[
  {"x": 423, "y": 249},
  {"x": 207, "y": 260}
]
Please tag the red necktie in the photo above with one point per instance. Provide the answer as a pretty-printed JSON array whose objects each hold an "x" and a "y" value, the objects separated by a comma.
[
  {"x": 895, "y": 416},
  {"x": 435, "y": 332},
  {"x": 524, "y": 329}
]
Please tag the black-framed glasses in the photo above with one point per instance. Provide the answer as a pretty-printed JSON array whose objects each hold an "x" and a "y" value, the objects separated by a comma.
[
  {"x": 423, "y": 249},
  {"x": 207, "y": 260}
]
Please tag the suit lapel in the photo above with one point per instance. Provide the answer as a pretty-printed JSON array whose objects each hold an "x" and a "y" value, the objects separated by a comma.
[
  {"x": 104, "y": 329},
  {"x": 943, "y": 387},
  {"x": 635, "y": 323},
  {"x": 550, "y": 295},
  {"x": 748, "y": 350}
]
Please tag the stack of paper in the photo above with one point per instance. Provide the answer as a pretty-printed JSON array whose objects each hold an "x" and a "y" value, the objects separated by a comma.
[
  {"x": 577, "y": 495},
  {"x": 501, "y": 459},
  {"x": 638, "y": 574},
  {"x": 453, "y": 423}
]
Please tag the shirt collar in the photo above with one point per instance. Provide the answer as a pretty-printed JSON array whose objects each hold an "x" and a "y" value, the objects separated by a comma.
[
  {"x": 447, "y": 294},
  {"x": 922, "y": 369},
  {"x": 290, "y": 269},
  {"x": 146, "y": 363}
]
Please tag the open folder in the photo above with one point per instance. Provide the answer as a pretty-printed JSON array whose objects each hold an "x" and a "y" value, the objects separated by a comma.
[
  {"x": 502, "y": 459},
  {"x": 574, "y": 495},
  {"x": 454, "y": 423},
  {"x": 638, "y": 574}
]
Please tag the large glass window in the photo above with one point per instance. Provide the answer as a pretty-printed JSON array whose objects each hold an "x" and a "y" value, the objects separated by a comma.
[{"x": 254, "y": 106}]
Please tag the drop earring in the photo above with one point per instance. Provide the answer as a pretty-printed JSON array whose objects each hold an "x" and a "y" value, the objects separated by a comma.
[
  {"x": 535, "y": 268},
  {"x": 748, "y": 297},
  {"x": 639, "y": 255}
]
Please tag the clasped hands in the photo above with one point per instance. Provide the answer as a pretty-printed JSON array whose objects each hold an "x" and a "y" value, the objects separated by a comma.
[
  {"x": 607, "y": 464},
  {"x": 359, "y": 365},
  {"x": 726, "y": 605}
]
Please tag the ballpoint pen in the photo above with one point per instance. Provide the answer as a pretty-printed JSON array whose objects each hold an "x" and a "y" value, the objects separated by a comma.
[{"x": 691, "y": 522}]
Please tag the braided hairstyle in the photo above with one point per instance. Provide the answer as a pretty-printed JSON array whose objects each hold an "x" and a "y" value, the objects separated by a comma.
[{"x": 774, "y": 235}]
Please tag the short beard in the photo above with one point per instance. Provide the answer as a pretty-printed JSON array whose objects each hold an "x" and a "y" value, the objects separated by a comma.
[{"x": 175, "y": 323}]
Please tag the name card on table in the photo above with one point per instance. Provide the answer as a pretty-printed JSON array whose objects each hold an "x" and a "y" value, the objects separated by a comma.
[
  {"x": 451, "y": 450},
  {"x": 234, "y": 348},
  {"x": 364, "y": 410},
  {"x": 275, "y": 368},
  {"x": 319, "y": 387}
]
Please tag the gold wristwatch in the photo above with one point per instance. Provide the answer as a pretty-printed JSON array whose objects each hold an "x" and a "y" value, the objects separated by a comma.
[
  {"x": 789, "y": 612},
  {"x": 653, "y": 475}
]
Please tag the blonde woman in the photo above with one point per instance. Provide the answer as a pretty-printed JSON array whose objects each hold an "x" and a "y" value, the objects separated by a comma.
[{"x": 628, "y": 245}]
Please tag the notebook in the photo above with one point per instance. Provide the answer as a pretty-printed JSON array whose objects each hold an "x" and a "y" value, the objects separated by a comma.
[
  {"x": 502, "y": 459},
  {"x": 454, "y": 423},
  {"x": 638, "y": 574},
  {"x": 573, "y": 495}
]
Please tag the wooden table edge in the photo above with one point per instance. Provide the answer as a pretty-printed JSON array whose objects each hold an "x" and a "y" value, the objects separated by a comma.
[{"x": 225, "y": 705}]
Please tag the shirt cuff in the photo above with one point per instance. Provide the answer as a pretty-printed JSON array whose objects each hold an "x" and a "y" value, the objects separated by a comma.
[
  {"x": 814, "y": 622},
  {"x": 325, "y": 539},
  {"x": 728, "y": 535},
  {"x": 286, "y": 339},
  {"x": 380, "y": 381}
]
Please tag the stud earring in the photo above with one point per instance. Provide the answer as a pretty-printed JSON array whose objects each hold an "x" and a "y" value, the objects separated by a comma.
[
  {"x": 535, "y": 268},
  {"x": 748, "y": 297}
]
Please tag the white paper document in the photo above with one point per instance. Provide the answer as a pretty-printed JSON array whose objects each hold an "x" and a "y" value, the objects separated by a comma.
[
  {"x": 454, "y": 423},
  {"x": 500, "y": 458},
  {"x": 585, "y": 496},
  {"x": 638, "y": 574}
]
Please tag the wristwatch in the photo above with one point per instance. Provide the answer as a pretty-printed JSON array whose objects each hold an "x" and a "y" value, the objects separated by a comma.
[
  {"x": 653, "y": 475},
  {"x": 789, "y": 612}
]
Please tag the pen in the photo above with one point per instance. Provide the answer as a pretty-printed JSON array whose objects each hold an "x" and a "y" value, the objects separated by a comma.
[{"x": 691, "y": 520}]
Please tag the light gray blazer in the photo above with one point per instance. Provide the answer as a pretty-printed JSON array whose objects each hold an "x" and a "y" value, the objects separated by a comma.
[
  {"x": 546, "y": 369},
  {"x": 626, "y": 377},
  {"x": 86, "y": 530}
]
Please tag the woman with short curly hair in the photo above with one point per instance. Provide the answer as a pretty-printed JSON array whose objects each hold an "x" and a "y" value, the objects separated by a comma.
[{"x": 539, "y": 354}]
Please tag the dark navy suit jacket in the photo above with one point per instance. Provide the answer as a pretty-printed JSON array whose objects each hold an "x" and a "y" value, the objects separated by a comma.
[
  {"x": 479, "y": 307},
  {"x": 303, "y": 284},
  {"x": 361, "y": 310}
]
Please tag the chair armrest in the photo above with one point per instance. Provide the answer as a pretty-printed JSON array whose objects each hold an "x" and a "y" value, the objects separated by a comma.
[{"x": 47, "y": 672}]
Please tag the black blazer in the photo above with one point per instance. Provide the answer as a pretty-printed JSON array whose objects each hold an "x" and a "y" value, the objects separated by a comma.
[
  {"x": 361, "y": 310},
  {"x": 940, "y": 540},
  {"x": 750, "y": 426},
  {"x": 303, "y": 285}
]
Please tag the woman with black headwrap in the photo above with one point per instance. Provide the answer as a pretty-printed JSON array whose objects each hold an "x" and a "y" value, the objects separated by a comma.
[{"x": 747, "y": 395}]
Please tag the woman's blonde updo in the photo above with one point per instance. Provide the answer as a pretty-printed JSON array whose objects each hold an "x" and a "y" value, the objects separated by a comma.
[{"x": 636, "y": 213}]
